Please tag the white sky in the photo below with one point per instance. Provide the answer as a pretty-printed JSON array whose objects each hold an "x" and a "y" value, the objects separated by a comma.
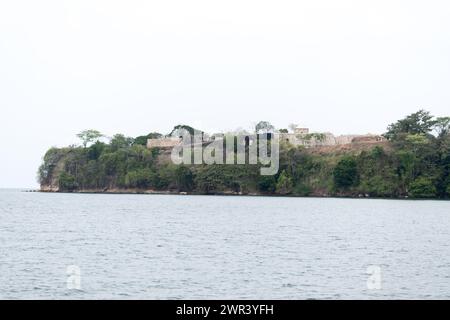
[{"x": 139, "y": 66}]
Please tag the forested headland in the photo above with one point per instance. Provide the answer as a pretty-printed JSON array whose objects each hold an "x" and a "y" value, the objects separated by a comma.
[{"x": 413, "y": 162}]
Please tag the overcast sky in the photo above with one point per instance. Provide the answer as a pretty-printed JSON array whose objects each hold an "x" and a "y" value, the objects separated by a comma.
[{"x": 134, "y": 67}]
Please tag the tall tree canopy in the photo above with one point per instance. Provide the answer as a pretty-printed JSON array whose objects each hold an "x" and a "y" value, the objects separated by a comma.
[
  {"x": 264, "y": 127},
  {"x": 442, "y": 126},
  {"x": 420, "y": 122},
  {"x": 89, "y": 136},
  {"x": 142, "y": 140}
]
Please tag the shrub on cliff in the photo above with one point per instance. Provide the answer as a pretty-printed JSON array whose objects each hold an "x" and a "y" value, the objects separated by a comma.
[
  {"x": 422, "y": 187},
  {"x": 95, "y": 150},
  {"x": 141, "y": 178},
  {"x": 51, "y": 159},
  {"x": 67, "y": 182},
  {"x": 378, "y": 186},
  {"x": 284, "y": 183},
  {"x": 267, "y": 184},
  {"x": 142, "y": 140},
  {"x": 346, "y": 173},
  {"x": 184, "y": 178},
  {"x": 302, "y": 190}
]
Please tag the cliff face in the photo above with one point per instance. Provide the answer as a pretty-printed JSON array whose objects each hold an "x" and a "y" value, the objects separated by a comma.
[{"x": 51, "y": 169}]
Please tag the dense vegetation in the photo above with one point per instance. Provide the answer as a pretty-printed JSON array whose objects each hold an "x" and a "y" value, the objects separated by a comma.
[{"x": 414, "y": 163}]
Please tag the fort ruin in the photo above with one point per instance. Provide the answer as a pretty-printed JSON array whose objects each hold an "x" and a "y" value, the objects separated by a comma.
[
  {"x": 311, "y": 140},
  {"x": 166, "y": 142},
  {"x": 300, "y": 137}
]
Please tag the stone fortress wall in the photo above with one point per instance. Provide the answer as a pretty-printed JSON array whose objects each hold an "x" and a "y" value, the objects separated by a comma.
[
  {"x": 168, "y": 142},
  {"x": 300, "y": 137}
]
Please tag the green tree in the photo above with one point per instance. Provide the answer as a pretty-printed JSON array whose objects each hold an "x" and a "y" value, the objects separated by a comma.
[
  {"x": 120, "y": 141},
  {"x": 67, "y": 182},
  {"x": 346, "y": 173},
  {"x": 264, "y": 127},
  {"x": 284, "y": 183},
  {"x": 416, "y": 139},
  {"x": 189, "y": 129},
  {"x": 141, "y": 178},
  {"x": 422, "y": 188},
  {"x": 88, "y": 136},
  {"x": 267, "y": 183},
  {"x": 166, "y": 177},
  {"x": 302, "y": 190},
  {"x": 142, "y": 140},
  {"x": 378, "y": 186},
  {"x": 442, "y": 126},
  {"x": 420, "y": 122},
  {"x": 378, "y": 152},
  {"x": 184, "y": 178},
  {"x": 95, "y": 150}
]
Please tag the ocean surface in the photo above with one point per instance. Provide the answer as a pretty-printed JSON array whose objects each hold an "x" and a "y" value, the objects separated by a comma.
[{"x": 90, "y": 246}]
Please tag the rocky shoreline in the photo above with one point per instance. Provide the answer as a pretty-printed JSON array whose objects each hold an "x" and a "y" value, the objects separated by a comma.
[{"x": 223, "y": 193}]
